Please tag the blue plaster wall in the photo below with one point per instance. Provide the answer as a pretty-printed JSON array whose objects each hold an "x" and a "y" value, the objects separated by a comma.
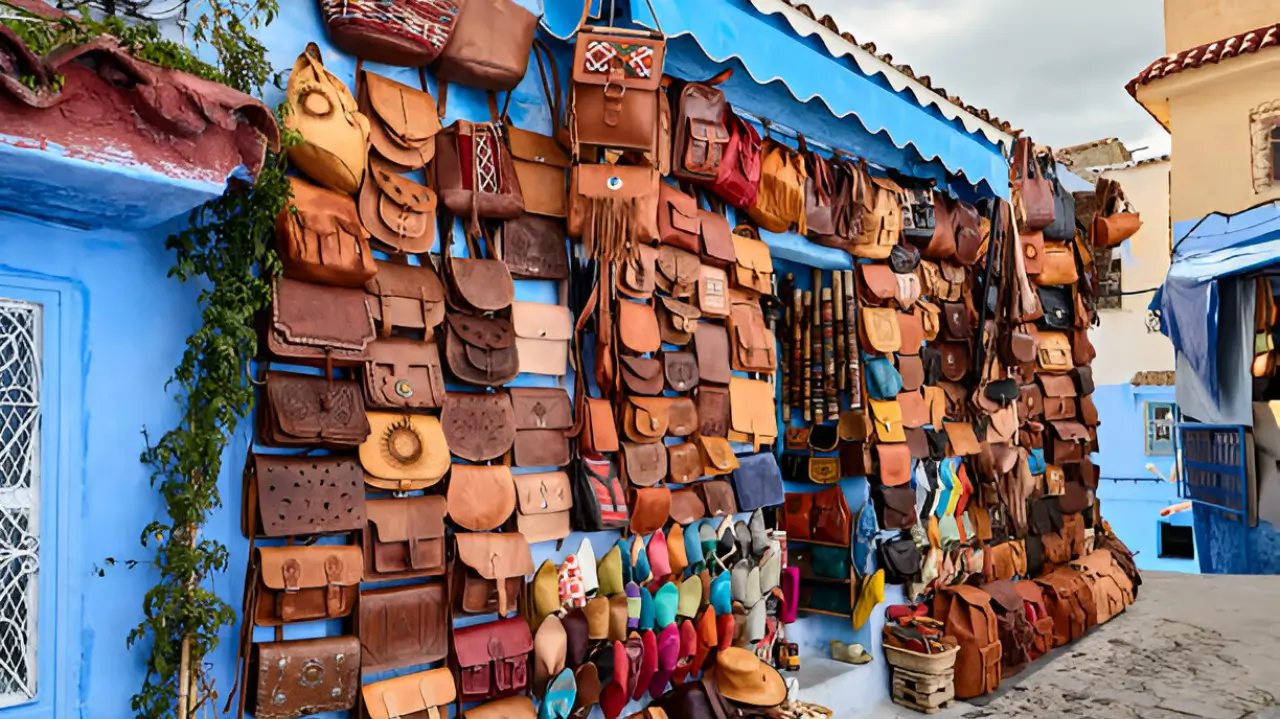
[{"x": 130, "y": 336}]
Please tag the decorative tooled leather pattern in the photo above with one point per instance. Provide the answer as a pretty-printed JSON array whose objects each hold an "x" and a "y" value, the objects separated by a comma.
[{"x": 479, "y": 427}]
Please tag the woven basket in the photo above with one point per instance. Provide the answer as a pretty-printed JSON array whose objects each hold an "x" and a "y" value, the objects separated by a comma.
[
  {"x": 800, "y": 710},
  {"x": 921, "y": 663}
]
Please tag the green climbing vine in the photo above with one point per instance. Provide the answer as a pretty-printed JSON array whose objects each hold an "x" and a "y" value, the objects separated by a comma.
[{"x": 228, "y": 249}]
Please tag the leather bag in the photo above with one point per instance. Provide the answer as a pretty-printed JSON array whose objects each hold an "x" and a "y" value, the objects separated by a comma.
[
  {"x": 474, "y": 175},
  {"x": 599, "y": 433},
  {"x": 306, "y": 583},
  {"x": 403, "y": 627},
  {"x": 678, "y": 272},
  {"x": 617, "y": 73},
  {"x": 543, "y": 419},
  {"x": 753, "y": 268},
  {"x": 306, "y": 410},
  {"x": 717, "y": 495},
  {"x": 679, "y": 224},
  {"x": 544, "y": 505},
  {"x": 335, "y": 134},
  {"x": 533, "y": 246},
  {"x": 819, "y": 188},
  {"x": 479, "y": 427},
  {"x": 422, "y": 694},
  {"x": 406, "y": 297},
  {"x": 879, "y": 284},
  {"x": 717, "y": 456},
  {"x": 1063, "y": 227},
  {"x": 409, "y": 34},
  {"x": 900, "y": 560},
  {"x": 677, "y": 320},
  {"x": 638, "y": 275},
  {"x": 738, "y": 179},
  {"x": 403, "y": 120},
  {"x": 650, "y": 508},
  {"x": 304, "y": 677},
  {"x": 540, "y": 162},
  {"x": 1053, "y": 352},
  {"x": 881, "y": 219},
  {"x": 780, "y": 200},
  {"x": 638, "y": 327},
  {"x": 492, "y": 569},
  {"x": 757, "y": 482},
  {"x": 490, "y": 45},
  {"x": 481, "y": 497},
  {"x": 970, "y": 619},
  {"x": 753, "y": 414},
  {"x": 1059, "y": 267},
  {"x": 1033, "y": 186},
  {"x": 404, "y": 452},
  {"x": 397, "y": 211},
  {"x": 880, "y": 331},
  {"x": 717, "y": 240},
  {"x": 713, "y": 291},
  {"x": 642, "y": 375},
  {"x": 895, "y": 506},
  {"x": 687, "y": 507},
  {"x": 287, "y": 496},
  {"x": 701, "y": 136},
  {"x": 599, "y": 498},
  {"x": 645, "y": 464},
  {"x": 493, "y": 659},
  {"x": 403, "y": 374},
  {"x": 613, "y": 206},
  {"x": 681, "y": 370},
  {"x": 755, "y": 348},
  {"x": 711, "y": 344},
  {"x": 713, "y": 410},
  {"x": 684, "y": 462},
  {"x": 319, "y": 238},
  {"x": 543, "y": 333},
  {"x": 405, "y": 538},
  {"x": 481, "y": 350},
  {"x": 314, "y": 324}
]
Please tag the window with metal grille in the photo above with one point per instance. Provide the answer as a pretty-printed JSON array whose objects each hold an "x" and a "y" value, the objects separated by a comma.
[
  {"x": 20, "y": 362},
  {"x": 1264, "y": 135},
  {"x": 1275, "y": 154}
]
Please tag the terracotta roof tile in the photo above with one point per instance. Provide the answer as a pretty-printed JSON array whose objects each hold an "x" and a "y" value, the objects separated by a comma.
[
  {"x": 1207, "y": 54},
  {"x": 829, "y": 23}
]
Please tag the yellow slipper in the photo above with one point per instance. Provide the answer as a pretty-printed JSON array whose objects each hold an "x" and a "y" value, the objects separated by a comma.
[{"x": 872, "y": 594}]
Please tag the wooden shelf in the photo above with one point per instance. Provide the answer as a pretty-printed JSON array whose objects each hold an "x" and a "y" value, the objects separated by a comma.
[{"x": 825, "y": 613}]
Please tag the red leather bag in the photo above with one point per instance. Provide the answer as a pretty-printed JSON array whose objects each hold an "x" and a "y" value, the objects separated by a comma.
[{"x": 738, "y": 180}]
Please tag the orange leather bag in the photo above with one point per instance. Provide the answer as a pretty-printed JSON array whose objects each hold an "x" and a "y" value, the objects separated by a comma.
[{"x": 970, "y": 619}]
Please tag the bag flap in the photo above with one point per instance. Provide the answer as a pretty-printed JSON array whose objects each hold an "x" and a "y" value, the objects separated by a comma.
[
  {"x": 541, "y": 408},
  {"x": 408, "y": 114},
  {"x": 879, "y": 281},
  {"x": 915, "y": 412},
  {"x": 408, "y": 518},
  {"x": 543, "y": 493},
  {"x": 535, "y": 320},
  {"x": 399, "y": 190},
  {"x": 311, "y": 315},
  {"x": 616, "y": 182},
  {"x": 650, "y": 416},
  {"x": 684, "y": 463},
  {"x": 414, "y": 282},
  {"x": 532, "y": 147},
  {"x": 713, "y": 290},
  {"x": 717, "y": 455},
  {"x": 684, "y": 316},
  {"x": 687, "y": 506},
  {"x": 752, "y": 256},
  {"x": 681, "y": 370},
  {"x": 600, "y": 425},
  {"x": 483, "y": 284},
  {"x": 1070, "y": 431},
  {"x": 711, "y": 343},
  {"x": 481, "y": 497},
  {"x": 895, "y": 464},
  {"x": 478, "y": 426},
  {"x": 410, "y": 694},
  {"x": 296, "y": 494},
  {"x": 638, "y": 327},
  {"x": 495, "y": 556},
  {"x": 646, "y": 464},
  {"x": 955, "y": 360},
  {"x": 881, "y": 327},
  {"x": 311, "y": 567},
  {"x": 486, "y": 333},
  {"x": 752, "y": 409},
  {"x": 1057, "y": 385},
  {"x": 481, "y": 644},
  {"x": 913, "y": 336},
  {"x": 911, "y": 369},
  {"x": 604, "y": 56},
  {"x": 717, "y": 240},
  {"x": 964, "y": 442},
  {"x": 888, "y": 420},
  {"x": 642, "y": 375},
  {"x": 681, "y": 210}
]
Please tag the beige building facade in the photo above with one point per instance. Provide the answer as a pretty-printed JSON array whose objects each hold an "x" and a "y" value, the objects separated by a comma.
[{"x": 1218, "y": 93}]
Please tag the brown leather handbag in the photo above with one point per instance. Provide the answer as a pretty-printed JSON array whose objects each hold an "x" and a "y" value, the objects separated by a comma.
[
  {"x": 678, "y": 272},
  {"x": 684, "y": 463},
  {"x": 880, "y": 331},
  {"x": 780, "y": 202},
  {"x": 717, "y": 241},
  {"x": 305, "y": 583},
  {"x": 717, "y": 455},
  {"x": 881, "y": 219},
  {"x": 477, "y": 284},
  {"x": 650, "y": 508},
  {"x": 404, "y": 296},
  {"x": 422, "y": 694},
  {"x": 479, "y": 427},
  {"x": 403, "y": 627},
  {"x": 713, "y": 410},
  {"x": 701, "y": 135},
  {"x": 612, "y": 206},
  {"x": 644, "y": 465},
  {"x": 617, "y": 75},
  {"x": 397, "y": 211},
  {"x": 404, "y": 452},
  {"x": 491, "y": 571},
  {"x": 306, "y": 410},
  {"x": 819, "y": 191},
  {"x": 754, "y": 346},
  {"x": 544, "y": 501},
  {"x": 646, "y": 419},
  {"x": 319, "y": 238},
  {"x": 543, "y": 418},
  {"x": 405, "y": 538},
  {"x": 681, "y": 370},
  {"x": 717, "y": 496},
  {"x": 403, "y": 120},
  {"x": 405, "y": 34},
  {"x": 1032, "y": 243},
  {"x": 641, "y": 375},
  {"x": 1033, "y": 186},
  {"x": 753, "y": 414},
  {"x": 713, "y": 291},
  {"x": 679, "y": 224},
  {"x": 540, "y": 162},
  {"x": 1059, "y": 266},
  {"x": 753, "y": 262},
  {"x": 638, "y": 327},
  {"x": 314, "y": 324},
  {"x": 599, "y": 433},
  {"x": 711, "y": 344},
  {"x": 493, "y": 659},
  {"x": 879, "y": 284},
  {"x": 543, "y": 332},
  {"x": 481, "y": 350},
  {"x": 1053, "y": 352},
  {"x": 830, "y": 519},
  {"x": 335, "y": 134},
  {"x": 637, "y": 278},
  {"x": 677, "y": 320},
  {"x": 687, "y": 507},
  {"x": 533, "y": 247},
  {"x": 294, "y": 496},
  {"x": 971, "y": 620},
  {"x": 490, "y": 45},
  {"x": 474, "y": 175},
  {"x": 303, "y": 677},
  {"x": 481, "y": 497},
  {"x": 403, "y": 374}
]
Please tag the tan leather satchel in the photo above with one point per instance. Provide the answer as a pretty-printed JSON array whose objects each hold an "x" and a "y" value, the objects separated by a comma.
[
  {"x": 646, "y": 419},
  {"x": 319, "y": 238},
  {"x": 638, "y": 327},
  {"x": 880, "y": 331},
  {"x": 678, "y": 272},
  {"x": 405, "y": 538},
  {"x": 543, "y": 333},
  {"x": 617, "y": 75},
  {"x": 644, "y": 465},
  {"x": 754, "y": 346},
  {"x": 684, "y": 463},
  {"x": 403, "y": 627},
  {"x": 677, "y": 320},
  {"x": 641, "y": 375},
  {"x": 335, "y": 134},
  {"x": 491, "y": 571},
  {"x": 479, "y": 427},
  {"x": 490, "y": 45},
  {"x": 540, "y": 162},
  {"x": 881, "y": 219},
  {"x": 544, "y": 501},
  {"x": 397, "y": 211},
  {"x": 1059, "y": 267},
  {"x": 481, "y": 497},
  {"x": 477, "y": 284},
  {"x": 481, "y": 350},
  {"x": 544, "y": 417},
  {"x": 403, "y": 120},
  {"x": 403, "y": 374},
  {"x": 752, "y": 412},
  {"x": 599, "y": 432},
  {"x": 779, "y": 204},
  {"x": 612, "y": 207},
  {"x": 753, "y": 268},
  {"x": 406, "y": 297},
  {"x": 425, "y": 694},
  {"x": 1053, "y": 352},
  {"x": 306, "y": 583}
]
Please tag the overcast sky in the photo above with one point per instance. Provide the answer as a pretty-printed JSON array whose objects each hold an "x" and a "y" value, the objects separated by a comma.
[{"x": 1054, "y": 68}]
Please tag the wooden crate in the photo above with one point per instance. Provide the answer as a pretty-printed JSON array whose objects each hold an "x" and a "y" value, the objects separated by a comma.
[{"x": 926, "y": 693}]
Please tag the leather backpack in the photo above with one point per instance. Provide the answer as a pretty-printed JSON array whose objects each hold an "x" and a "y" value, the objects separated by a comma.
[
  {"x": 616, "y": 76},
  {"x": 779, "y": 202},
  {"x": 1069, "y": 600},
  {"x": 335, "y": 135},
  {"x": 970, "y": 619},
  {"x": 738, "y": 179},
  {"x": 881, "y": 219},
  {"x": 1111, "y": 587},
  {"x": 489, "y": 48},
  {"x": 1033, "y": 187},
  {"x": 701, "y": 135},
  {"x": 1017, "y": 633},
  {"x": 409, "y": 34},
  {"x": 319, "y": 238}
]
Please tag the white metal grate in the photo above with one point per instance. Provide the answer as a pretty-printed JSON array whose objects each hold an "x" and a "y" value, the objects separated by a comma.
[{"x": 20, "y": 359}]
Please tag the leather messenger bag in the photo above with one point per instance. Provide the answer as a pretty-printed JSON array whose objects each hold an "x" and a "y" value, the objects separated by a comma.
[
  {"x": 479, "y": 427},
  {"x": 493, "y": 659},
  {"x": 289, "y": 496},
  {"x": 422, "y": 694},
  {"x": 307, "y": 410},
  {"x": 405, "y": 538},
  {"x": 306, "y": 583},
  {"x": 318, "y": 325},
  {"x": 544, "y": 504},
  {"x": 543, "y": 417},
  {"x": 491, "y": 571},
  {"x": 319, "y": 238},
  {"x": 403, "y": 627},
  {"x": 304, "y": 677}
]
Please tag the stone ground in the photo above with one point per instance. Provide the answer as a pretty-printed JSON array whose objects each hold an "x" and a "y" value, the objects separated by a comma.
[{"x": 1191, "y": 646}]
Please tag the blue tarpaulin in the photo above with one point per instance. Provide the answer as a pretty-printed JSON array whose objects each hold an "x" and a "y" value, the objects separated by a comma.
[{"x": 1205, "y": 251}]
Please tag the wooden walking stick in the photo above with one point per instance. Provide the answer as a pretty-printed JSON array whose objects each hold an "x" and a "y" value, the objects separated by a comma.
[
  {"x": 785, "y": 290},
  {"x": 815, "y": 359},
  {"x": 806, "y": 346},
  {"x": 796, "y": 358},
  {"x": 851, "y": 340},
  {"x": 831, "y": 389},
  {"x": 837, "y": 304}
]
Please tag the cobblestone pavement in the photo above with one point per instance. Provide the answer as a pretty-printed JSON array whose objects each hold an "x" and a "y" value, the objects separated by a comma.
[{"x": 1191, "y": 646}]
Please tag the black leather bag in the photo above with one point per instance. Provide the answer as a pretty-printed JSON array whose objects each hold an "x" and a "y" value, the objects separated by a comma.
[
  {"x": 900, "y": 560},
  {"x": 1059, "y": 308},
  {"x": 932, "y": 361},
  {"x": 1063, "y": 228},
  {"x": 757, "y": 482}
]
